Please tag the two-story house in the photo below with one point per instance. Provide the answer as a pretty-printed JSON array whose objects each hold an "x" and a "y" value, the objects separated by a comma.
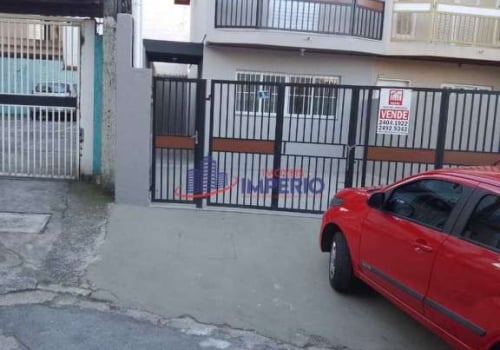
[{"x": 418, "y": 43}]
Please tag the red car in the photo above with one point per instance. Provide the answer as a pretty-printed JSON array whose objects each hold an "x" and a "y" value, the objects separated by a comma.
[{"x": 430, "y": 243}]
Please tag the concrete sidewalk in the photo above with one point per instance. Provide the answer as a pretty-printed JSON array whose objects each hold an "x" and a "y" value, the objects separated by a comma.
[{"x": 251, "y": 271}]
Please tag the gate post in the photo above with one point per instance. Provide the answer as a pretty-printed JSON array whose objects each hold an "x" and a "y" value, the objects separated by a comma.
[
  {"x": 351, "y": 138},
  {"x": 199, "y": 147},
  {"x": 280, "y": 111},
  {"x": 443, "y": 123}
]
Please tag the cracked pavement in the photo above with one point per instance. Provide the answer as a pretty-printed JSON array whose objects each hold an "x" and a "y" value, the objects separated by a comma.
[{"x": 46, "y": 301}]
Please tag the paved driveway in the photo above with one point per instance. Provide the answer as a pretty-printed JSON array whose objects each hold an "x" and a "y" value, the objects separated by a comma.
[{"x": 253, "y": 271}]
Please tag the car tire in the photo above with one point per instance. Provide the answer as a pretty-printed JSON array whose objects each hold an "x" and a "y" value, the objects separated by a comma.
[{"x": 340, "y": 271}]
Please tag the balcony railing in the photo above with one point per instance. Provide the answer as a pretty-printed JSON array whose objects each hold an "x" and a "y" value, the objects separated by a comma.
[
  {"x": 451, "y": 24},
  {"x": 363, "y": 18}
]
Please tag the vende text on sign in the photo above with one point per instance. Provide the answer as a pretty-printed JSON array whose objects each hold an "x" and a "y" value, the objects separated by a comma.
[{"x": 394, "y": 111}]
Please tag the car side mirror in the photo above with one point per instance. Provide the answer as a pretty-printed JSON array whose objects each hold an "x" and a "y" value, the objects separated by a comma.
[{"x": 377, "y": 200}]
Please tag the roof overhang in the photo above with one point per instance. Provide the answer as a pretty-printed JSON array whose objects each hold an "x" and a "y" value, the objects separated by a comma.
[
  {"x": 72, "y": 8},
  {"x": 173, "y": 51}
]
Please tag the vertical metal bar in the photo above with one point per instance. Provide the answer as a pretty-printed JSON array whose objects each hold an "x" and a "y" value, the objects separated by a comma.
[
  {"x": 9, "y": 70},
  {"x": 462, "y": 120},
  {"x": 351, "y": 138},
  {"x": 307, "y": 178},
  {"x": 231, "y": 17},
  {"x": 415, "y": 118},
  {"x": 471, "y": 116},
  {"x": 201, "y": 90},
  {"x": 479, "y": 122},
  {"x": 235, "y": 105},
  {"x": 353, "y": 15},
  {"x": 153, "y": 141},
  {"x": 22, "y": 109},
  {"x": 367, "y": 138},
  {"x": 211, "y": 130},
  {"x": 278, "y": 145},
  {"x": 493, "y": 133},
  {"x": 217, "y": 7},
  {"x": 422, "y": 131},
  {"x": 55, "y": 110},
  {"x": 455, "y": 117},
  {"x": 443, "y": 121}
]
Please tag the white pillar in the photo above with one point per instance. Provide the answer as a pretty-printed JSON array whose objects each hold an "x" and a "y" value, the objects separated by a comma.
[
  {"x": 138, "y": 47},
  {"x": 87, "y": 98}
]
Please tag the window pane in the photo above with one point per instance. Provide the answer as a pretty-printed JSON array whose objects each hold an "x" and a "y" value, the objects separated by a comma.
[
  {"x": 300, "y": 96},
  {"x": 269, "y": 95},
  {"x": 404, "y": 23},
  {"x": 246, "y": 94},
  {"x": 325, "y": 98},
  {"x": 484, "y": 225},
  {"x": 429, "y": 202}
]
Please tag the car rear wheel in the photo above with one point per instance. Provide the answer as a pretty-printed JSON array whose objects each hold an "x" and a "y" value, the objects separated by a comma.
[{"x": 340, "y": 271}]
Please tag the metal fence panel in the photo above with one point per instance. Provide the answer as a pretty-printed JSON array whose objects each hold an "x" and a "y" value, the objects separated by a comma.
[
  {"x": 39, "y": 93},
  {"x": 177, "y": 142},
  {"x": 292, "y": 146}
]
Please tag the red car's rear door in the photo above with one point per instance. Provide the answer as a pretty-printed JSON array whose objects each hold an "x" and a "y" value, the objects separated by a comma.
[
  {"x": 464, "y": 293},
  {"x": 399, "y": 243}
]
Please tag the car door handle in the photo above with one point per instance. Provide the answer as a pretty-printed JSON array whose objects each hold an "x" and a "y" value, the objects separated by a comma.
[{"x": 422, "y": 246}]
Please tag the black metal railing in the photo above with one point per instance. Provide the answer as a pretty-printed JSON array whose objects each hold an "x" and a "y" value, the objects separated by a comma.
[{"x": 363, "y": 18}]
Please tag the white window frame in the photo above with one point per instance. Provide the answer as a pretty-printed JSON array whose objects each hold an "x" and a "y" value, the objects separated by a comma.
[
  {"x": 412, "y": 29},
  {"x": 288, "y": 94},
  {"x": 384, "y": 82},
  {"x": 466, "y": 87},
  {"x": 36, "y": 31}
]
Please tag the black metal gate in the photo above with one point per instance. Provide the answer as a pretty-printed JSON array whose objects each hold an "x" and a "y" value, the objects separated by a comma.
[
  {"x": 178, "y": 139},
  {"x": 285, "y": 145},
  {"x": 282, "y": 146}
]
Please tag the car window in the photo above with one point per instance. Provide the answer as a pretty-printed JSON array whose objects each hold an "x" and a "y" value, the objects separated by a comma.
[
  {"x": 484, "y": 224},
  {"x": 42, "y": 88},
  {"x": 56, "y": 88},
  {"x": 59, "y": 88},
  {"x": 429, "y": 202}
]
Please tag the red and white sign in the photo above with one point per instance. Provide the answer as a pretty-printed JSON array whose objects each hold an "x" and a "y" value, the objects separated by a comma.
[{"x": 394, "y": 111}]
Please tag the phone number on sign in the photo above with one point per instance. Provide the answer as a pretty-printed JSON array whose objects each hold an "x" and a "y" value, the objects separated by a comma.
[{"x": 393, "y": 126}]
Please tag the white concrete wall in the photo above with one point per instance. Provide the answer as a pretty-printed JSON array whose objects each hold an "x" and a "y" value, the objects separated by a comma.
[
  {"x": 133, "y": 122},
  {"x": 433, "y": 74},
  {"x": 222, "y": 63},
  {"x": 163, "y": 20}
]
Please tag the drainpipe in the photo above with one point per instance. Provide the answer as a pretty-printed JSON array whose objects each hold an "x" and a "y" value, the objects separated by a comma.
[{"x": 138, "y": 48}]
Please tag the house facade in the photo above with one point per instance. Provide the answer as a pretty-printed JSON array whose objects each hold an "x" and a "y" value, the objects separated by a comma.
[
  {"x": 365, "y": 42},
  {"x": 298, "y": 86}
]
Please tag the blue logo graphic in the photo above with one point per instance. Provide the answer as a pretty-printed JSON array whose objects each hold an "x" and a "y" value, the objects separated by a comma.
[{"x": 206, "y": 178}]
